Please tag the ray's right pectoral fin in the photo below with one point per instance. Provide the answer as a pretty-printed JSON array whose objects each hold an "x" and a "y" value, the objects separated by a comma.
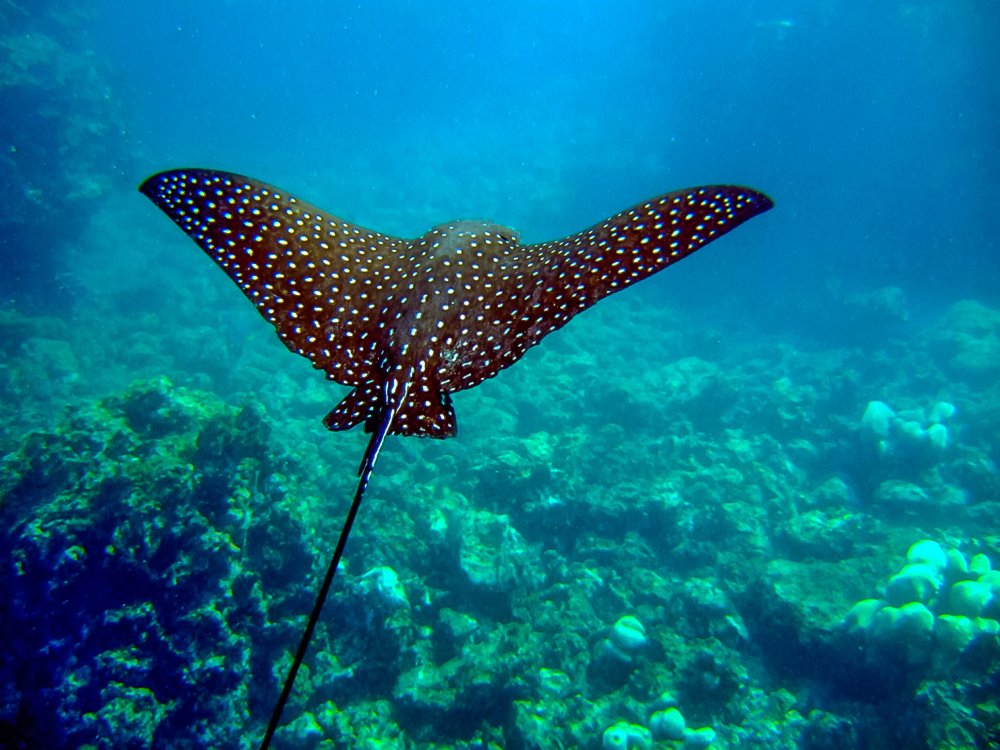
[{"x": 645, "y": 239}]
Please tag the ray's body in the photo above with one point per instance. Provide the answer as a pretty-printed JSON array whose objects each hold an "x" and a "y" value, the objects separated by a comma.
[{"x": 408, "y": 322}]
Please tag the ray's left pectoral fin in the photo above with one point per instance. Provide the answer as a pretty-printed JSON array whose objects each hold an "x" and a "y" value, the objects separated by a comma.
[{"x": 644, "y": 239}]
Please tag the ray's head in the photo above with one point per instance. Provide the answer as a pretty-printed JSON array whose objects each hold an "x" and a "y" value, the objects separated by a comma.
[{"x": 466, "y": 236}]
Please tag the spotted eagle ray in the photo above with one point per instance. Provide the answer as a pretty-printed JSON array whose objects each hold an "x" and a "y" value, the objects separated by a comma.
[{"x": 407, "y": 323}]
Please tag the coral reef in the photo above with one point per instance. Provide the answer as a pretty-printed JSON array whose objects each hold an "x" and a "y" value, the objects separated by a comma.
[
  {"x": 130, "y": 605},
  {"x": 936, "y": 608}
]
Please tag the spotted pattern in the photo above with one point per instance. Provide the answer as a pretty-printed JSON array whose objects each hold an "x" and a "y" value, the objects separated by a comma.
[{"x": 407, "y": 322}]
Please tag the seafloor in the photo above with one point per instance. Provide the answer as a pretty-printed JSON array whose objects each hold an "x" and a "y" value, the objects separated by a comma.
[{"x": 160, "y": 544}]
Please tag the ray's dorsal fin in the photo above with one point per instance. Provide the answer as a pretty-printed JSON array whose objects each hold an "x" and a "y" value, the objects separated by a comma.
[{"x": 408, "y": 322}]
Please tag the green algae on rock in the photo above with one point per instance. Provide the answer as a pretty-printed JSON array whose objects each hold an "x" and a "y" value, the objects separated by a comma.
[{"x": 151, "y": 556}]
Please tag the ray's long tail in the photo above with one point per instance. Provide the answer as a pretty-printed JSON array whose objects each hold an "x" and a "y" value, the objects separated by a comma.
[{"x": 367, "y": 465}]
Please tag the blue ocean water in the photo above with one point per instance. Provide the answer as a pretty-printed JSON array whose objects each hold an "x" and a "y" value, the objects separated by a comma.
[{"x": 660, "y": 521}]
